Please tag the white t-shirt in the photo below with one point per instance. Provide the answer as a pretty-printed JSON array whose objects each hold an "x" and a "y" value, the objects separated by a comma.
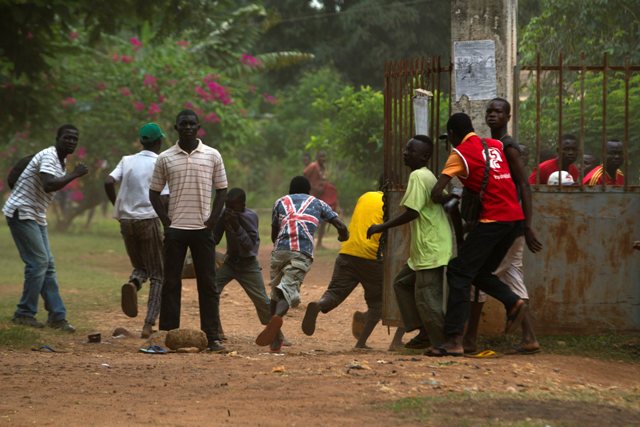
[
  {"x": 28, "y": 195},
  {"x": 134, "y": 175}
]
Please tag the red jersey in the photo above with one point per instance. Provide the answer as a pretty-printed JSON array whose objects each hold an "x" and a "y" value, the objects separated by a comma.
[
  {"x": 594, "y": 177},
  {"x": 550, "y": 166},
  {"x": 500, "y": 199}
]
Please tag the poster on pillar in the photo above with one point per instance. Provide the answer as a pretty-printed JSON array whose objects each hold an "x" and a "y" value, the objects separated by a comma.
[{"x": 475, "y": 69}]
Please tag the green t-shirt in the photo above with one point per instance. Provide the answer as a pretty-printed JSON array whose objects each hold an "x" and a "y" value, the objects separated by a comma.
[{"x": 431, "y": 239}]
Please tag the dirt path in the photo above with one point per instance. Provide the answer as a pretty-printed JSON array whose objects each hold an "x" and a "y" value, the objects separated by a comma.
[{"x": 316, "y": 381}]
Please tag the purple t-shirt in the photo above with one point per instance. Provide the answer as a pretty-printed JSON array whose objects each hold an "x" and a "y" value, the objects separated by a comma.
[{"x": 298, "y": 216}]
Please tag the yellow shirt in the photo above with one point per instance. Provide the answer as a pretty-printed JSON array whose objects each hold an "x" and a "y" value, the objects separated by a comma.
[{"x": 368, "y": 211}]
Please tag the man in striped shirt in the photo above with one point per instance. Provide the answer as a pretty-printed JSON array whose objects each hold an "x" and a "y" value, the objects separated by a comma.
[
  {"x": 26, "y": 213},
  {"x": 192, "y": 171}
]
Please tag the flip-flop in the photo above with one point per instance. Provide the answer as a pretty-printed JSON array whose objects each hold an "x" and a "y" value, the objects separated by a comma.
[
  {"x": 485, "y": 354},
  {"x": 514, "y": 321},
  {"x": 44, "y": 349},
  {"x": 523, "y": 351},
  {"x": 442, "y": 352},
  {"x": 129, "y": 299},
  {"x": 153, "y": 349},
  {"x": 270, "y": 331}
]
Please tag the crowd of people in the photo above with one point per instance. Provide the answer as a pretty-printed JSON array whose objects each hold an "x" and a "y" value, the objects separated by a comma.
[{"x": 177, "y": 200}]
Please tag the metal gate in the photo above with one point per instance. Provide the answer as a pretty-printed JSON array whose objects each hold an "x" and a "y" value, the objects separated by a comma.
[{"x": 587, "y": 277}]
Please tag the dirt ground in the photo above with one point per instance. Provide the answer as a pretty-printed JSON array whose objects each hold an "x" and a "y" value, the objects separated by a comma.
[{"x": 319, "y": 380}]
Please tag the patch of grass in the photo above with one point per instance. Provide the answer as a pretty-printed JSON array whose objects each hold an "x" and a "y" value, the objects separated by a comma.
[
  {"x": 18, "y": 337},
  {"x": 90, "y": 267},
  {"x": 521, "y": 409},
  {"x": 610, "y": 346}
]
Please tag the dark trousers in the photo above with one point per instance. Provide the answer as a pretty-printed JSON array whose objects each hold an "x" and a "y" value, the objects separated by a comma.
[
  {"x": 478, "y": 256},
  {"x": 202, "y": 247},
  {"x": 348, "y": 271}
]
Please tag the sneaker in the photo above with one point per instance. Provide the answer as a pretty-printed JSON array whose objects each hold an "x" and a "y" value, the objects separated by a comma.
[
  {"x": 27, "y": 321},
  {"x": 63, "y": 325},
  {"x": 216, "y": 347},
  {"x": 129, "y": 299}
]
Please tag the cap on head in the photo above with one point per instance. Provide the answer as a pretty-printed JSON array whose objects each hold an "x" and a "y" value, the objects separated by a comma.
[
  {"x": 555, "y": 177},
  {"x": 150, "y": 133}
]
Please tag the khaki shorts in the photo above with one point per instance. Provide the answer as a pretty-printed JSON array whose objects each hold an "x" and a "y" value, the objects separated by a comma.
[{"x": 287, "y": 272}]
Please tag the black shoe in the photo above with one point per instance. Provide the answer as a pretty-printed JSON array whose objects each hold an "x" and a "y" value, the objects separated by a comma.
[
  {"x": 27, "y": 321},
  {"x": 62, "y": 325},
  {"x": 310, "y": 316},
  {"x": 216, "y": 347},
  {"x": 129, "y": 299}
]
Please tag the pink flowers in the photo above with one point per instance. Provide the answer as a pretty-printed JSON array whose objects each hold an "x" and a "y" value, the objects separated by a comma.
[
  {"x": 124, "y": 91},
  {"x": 183, "y": 43},
  {"x": 76, "y": 196},
  {"x": 73, "y": 35},
  {"x": 116, "y": 57},
  {"x": 149, "y": 81},
  {"x": 201, "y": 133},
  {"x": 269, "y": 99},
  {"x": 135, "y": 42},
  {"x": 69, "y": 102},
  {"x": 139, "y": 106},
  {"x": 214, "y": 91},
  {"x": 81, "y": 152},
  {"x": 188, "y": 105},
  {"x": 101, "y": 86},
  {"x": 250, "y": 61},
  {"x": 154, "y": 109},
  {"x": 212, "y": 118}
]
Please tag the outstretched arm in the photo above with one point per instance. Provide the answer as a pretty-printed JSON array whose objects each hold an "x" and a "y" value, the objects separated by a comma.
[
  {"x": 52, "y": 183},
  {"x": 343, "y": 231},
  {"x": 407, "y": 216}
]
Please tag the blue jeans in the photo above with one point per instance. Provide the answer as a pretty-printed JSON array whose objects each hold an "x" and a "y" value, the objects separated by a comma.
[{"x": 32, "y": 241}]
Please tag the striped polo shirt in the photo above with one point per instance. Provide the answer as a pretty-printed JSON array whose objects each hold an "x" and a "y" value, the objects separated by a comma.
[
  {"x": 191, "y": 178},
  {"x": 28, "y": 195}
]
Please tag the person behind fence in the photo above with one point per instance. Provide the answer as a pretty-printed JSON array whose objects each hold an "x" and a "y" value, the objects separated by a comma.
[
  {"x": 609, "y": 171},
  {"x": 295, "y": 219},
  {"x": 589, "y": 161},
  {"x": 569, "y": 149},
  {"x": 240, "y": 226},
  {"x": 484, "y": 247},
  {"x": 321, "y": 188},
  {"x": 356, "y": 263},
  {"x": 510, "y": 271},
  {"x": 26, "y": 213},
  {"x": 419, "y": 283},
  {"x": 139, "y": 224},
  {"x": 193, "y": 171}
]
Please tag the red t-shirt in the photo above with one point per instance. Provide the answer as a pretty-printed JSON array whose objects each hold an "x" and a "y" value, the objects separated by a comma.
[
  {"x": 594, "y": 177},
  {"x": 550, "y": 166},
  {"x": 500, "y": 199}
]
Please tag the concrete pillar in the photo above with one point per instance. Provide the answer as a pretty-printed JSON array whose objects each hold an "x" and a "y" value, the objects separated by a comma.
[
  {"x": 474, "y": 20},
  {"x": 486, "y": 20}
]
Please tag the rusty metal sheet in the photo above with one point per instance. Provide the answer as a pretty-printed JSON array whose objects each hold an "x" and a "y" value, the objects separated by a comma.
[
  {"x": 396, "y": 253},
  {"x": 587, "y": 278}
]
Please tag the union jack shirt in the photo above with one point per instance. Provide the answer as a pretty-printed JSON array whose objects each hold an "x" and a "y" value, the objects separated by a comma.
[{"x": 298, "y": 216}]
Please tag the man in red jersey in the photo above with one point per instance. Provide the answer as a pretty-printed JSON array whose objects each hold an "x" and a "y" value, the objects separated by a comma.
[
  {"x": 609, "y": 169},
  {"x": 569, "y": 153},
  {"x": 485, "y": 246}
]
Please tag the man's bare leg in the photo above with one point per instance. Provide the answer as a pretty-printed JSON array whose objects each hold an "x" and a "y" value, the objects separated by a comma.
[
  {"x": 470, "y": 341},
  {"x": 396, "y": 342},
  {"x": 529, "y": 341},
  {"x": 372, "y": 320}
]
